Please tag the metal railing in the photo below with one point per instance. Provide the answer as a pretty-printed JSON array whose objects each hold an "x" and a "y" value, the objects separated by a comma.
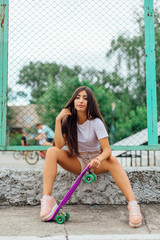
[{"x": 140, "y": 158}]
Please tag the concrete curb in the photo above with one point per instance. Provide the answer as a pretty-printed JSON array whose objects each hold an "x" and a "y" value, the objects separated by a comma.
[
  {"x": 89, "y": 237},
  {"x": 24, "y": 187}
]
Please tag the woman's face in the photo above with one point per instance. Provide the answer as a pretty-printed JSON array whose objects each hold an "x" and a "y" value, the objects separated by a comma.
[{"x": 80, "y": 102}]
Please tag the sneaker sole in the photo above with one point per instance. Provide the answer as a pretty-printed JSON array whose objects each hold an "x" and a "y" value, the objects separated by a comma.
[
  {"x": 135, "y": 225},
  {"x": 49, "y": 216}
]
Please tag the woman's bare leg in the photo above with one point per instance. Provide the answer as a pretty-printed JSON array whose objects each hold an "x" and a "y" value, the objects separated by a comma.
[
  {"x": 55, "y": 155},
  {"x": 119, "y": 175},
  {"x": 71, "y": 164}
]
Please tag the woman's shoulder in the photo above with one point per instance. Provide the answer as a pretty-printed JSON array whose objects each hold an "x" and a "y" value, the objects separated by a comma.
[{"x": 97, "y": 121}]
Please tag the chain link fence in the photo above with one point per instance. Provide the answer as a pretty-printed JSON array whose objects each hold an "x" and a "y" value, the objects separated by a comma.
[{"x": 57, "y": 46}]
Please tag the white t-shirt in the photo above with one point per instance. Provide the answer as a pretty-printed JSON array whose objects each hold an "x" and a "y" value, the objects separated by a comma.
[
  {"x": 43, "y": 138},
  {"x": 89, "y": 133}
]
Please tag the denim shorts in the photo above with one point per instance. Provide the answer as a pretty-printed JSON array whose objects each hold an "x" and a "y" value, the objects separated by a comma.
[{"x": 85, "y": 158}]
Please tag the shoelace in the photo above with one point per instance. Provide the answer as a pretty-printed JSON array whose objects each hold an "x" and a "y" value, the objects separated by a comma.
[
  {"x": 134, "y": 210},
  {"x": 43, "y": 204}
]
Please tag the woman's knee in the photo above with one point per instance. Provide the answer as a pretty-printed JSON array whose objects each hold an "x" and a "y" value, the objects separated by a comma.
[
  {"x": 109, "y": 164},
  {"x": 113, "y": 161},
  {"x": 53, "y": 151}
]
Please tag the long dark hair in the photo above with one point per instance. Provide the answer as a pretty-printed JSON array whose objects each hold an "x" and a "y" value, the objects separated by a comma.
[{"x": 69, "y": 124}]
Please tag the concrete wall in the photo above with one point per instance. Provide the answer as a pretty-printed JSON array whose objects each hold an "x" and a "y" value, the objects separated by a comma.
[{"x": 24, "y": 187}]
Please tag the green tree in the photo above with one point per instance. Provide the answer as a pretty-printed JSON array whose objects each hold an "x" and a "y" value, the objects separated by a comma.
[
  {"x": 130, "y": 54},
  {"x": 37, "y": 77},
  {"x": 130, "y": 88},
  {"x": 134, "y": 122}
]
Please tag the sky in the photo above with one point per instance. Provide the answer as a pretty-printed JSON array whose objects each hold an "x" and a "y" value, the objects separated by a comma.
[{"x": 70, "y": 32}]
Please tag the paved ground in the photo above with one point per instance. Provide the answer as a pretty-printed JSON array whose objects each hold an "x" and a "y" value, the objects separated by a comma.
[
  {"x": 97, "y": 221},
  {"x": 7, "y": 160},
  {"x": 89, "y": 237},
  {"x": 86, "y": 222}
]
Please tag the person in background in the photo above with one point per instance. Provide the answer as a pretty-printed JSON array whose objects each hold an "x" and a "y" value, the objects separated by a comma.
[
  {"x": 41, "y": 143},
  {"x": 45, "y": 131},
  {"x": 24, "y": 139},
  {"x": 43, "y": 138}
]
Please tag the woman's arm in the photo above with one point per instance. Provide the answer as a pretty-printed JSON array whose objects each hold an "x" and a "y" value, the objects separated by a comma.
[
  {"x": 106, "y": 153},
  {"x": 106, "y": 150},
  {"x": 59, "y": 138}
]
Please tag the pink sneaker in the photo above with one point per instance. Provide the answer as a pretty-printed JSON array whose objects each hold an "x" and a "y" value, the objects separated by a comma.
[
  {"x": 48, "y": 207},
  {"x": 135, "y": 217}
]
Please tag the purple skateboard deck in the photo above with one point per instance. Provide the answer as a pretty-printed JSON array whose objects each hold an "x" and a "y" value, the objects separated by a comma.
[{"x": 70, "y": 192}]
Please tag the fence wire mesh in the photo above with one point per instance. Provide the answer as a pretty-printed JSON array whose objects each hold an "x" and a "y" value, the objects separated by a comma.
[{"x": 57, "y": 46}]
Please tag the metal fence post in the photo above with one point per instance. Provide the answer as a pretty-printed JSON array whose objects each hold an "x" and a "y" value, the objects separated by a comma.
[
  {"x": 150, "y": 72},
  {"x": 3, "y": 68}
]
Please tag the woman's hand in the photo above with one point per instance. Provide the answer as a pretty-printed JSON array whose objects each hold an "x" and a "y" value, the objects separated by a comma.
[
  {"x": 95, "y": 163},
  {"x": 65, "y": 112}
]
